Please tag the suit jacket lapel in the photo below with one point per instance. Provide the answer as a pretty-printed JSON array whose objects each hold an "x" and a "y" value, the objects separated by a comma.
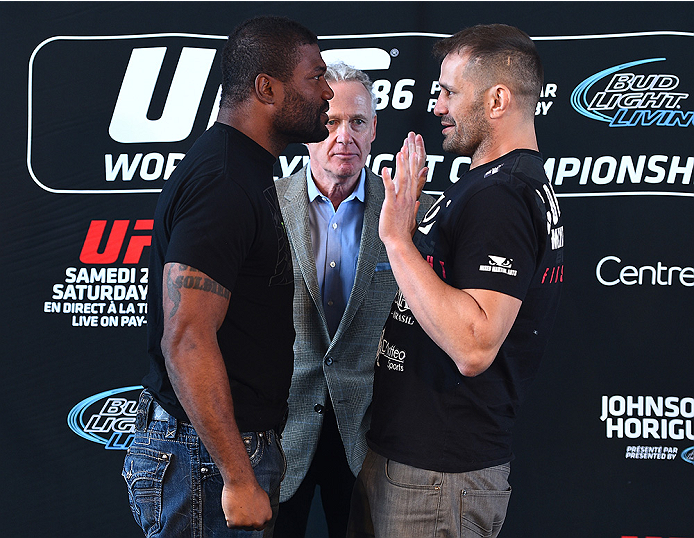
[
  {"x": 296, "y": 220},
  {"x": 369, "y": 250}
]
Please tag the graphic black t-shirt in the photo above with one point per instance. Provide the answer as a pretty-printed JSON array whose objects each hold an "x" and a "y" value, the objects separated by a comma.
[
  {"x": 499, "y": 228},
  {"x": 219, "y": 214}
]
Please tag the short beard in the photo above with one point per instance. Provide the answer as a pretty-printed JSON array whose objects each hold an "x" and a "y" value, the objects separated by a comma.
[
  {"x": 297, "y": 121},
  {"x": 464, "y": 146},
  {"x": 475, "y": 135}
]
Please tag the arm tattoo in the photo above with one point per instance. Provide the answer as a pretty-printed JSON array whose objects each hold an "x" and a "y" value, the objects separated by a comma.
[
  {"x": 174, "y": 294},
  {"x": 191, "y": 282}
]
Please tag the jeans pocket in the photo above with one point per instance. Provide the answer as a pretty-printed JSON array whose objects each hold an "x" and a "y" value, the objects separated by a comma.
[
  {"x": 410, "y": 497},
  {"x": 143, "y": 472},
  {"x": 483, "y": 512},
  {"x": 267, "y": 460},
  {"x": 405, "y": 476},
  {"x": 255, "y": 446}
]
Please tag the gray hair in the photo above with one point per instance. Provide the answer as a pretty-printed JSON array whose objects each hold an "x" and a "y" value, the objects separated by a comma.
[{"x": 341, "y": 72}]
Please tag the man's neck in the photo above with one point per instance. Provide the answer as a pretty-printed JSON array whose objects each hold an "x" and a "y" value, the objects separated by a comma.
[
  {"x": 243, "y": 119},
  {"x": 336, "y": 189},
  {"x": 521, "y": 137}
]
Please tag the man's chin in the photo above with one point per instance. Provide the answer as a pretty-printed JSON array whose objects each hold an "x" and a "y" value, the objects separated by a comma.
[
  {"x": 448, "y": 145},
  {"x": 295, "y": 132},
  {"x": 452, "y": 145},
  {"x": 346, "y": 171},
  {"x": 319, "y": 134},
  {"x": 322, "y": 133}
]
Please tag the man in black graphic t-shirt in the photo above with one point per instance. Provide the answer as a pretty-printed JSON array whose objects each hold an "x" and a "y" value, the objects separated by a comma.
[
  {"x": 206, "y": 452},
  {"x": 479, "y": 288}
]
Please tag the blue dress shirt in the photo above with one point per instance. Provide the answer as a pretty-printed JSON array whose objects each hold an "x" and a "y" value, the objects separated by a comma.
[{"x": 336, "y": 236}]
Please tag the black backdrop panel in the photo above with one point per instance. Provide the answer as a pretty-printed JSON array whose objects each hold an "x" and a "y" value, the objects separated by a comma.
[{"x": 102, "y": 100}]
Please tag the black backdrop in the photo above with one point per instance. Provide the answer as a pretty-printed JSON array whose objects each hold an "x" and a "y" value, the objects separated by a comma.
[{"x": 605, "y": 442}]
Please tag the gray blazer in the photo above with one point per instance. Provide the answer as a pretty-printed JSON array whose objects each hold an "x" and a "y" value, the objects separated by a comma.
[{"x": 341, "y": 369}]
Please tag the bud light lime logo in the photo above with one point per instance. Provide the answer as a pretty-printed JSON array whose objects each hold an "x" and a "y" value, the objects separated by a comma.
[
  {"x": 630, "y": 99},
  {"x": 107, "y": 418}
]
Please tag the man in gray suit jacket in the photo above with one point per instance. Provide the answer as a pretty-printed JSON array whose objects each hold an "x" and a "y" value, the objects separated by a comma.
[{"x": 343, "y": 291}]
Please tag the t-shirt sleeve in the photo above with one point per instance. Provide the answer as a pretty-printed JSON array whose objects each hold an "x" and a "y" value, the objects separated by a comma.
[
  {"x": 496, "y": 242},
  {"x": 212, "y": 229}
]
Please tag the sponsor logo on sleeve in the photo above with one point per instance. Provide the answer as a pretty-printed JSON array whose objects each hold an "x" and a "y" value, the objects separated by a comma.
[{"x": 499, "y": 264}]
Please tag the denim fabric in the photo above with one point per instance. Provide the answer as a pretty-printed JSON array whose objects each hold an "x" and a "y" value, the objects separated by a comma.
[
  {"x": 393, "y": 499},
  {"x": 174, "y": 486}
]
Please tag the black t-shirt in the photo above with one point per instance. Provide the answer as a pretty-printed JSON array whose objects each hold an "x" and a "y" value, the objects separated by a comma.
[
  {"x": 499, "y": 228},
  {"x": 219, "y": 214}
]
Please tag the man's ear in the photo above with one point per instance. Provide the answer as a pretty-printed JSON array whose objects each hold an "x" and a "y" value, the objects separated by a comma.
[
  {"x": 266, "y": 88},
  {"x": 499, "y": 100}
]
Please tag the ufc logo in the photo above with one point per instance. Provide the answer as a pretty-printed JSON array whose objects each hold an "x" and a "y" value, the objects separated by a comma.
[
  {"x": 95, "y": 251},
  {"x": 130, "y": 124}
]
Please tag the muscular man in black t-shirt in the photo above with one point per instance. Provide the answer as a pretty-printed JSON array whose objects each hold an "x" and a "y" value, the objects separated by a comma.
[
  {"x": 479, "y": 288},
  {"x": 206, "y": 451}
]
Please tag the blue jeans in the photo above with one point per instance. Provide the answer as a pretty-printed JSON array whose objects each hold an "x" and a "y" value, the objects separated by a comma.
[
  {"x": 174, "y": 486},
  {"x": 391, "y": 499}
]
